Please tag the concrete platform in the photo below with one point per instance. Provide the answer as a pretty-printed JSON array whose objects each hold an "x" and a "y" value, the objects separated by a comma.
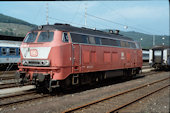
[
  {"x": 147, "y": 70},
  {"x": 4, "y": 92}
]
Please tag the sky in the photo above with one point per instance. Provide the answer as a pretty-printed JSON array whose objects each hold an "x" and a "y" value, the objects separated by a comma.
[{"x": 150, "y": 17}]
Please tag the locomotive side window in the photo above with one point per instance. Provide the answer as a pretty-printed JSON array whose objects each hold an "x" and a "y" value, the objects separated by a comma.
[
  {"x": 97, "y": 40},
  {"x": 92, "y": 40},
  {"x": 114, "y": 42},
  {"x": 105, "y": 41},
  {"x": 65, "y": 37},
  {"x": 3, "y": 51},
  {"x": 31, "y": 37},
  {"x": 12, "y": 51},
  {"x": 127, "y": 45},
  {"x": 123, "y": 43},
  {"x": 77, "y": 38},
  {"x": 46, "y": 37},
  {"x": 118, "y": 43}
]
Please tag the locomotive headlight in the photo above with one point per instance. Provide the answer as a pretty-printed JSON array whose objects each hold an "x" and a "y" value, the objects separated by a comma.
[
  {"x": 24, "y": 62},
  {"x": 45, "y": 62}
]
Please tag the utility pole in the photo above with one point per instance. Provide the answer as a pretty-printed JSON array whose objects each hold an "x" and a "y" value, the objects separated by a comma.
[
  {"x": 85, "y": 15},
  {"x": 47, "y": 13}
]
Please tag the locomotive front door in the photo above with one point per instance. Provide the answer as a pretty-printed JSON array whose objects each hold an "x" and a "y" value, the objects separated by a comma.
[{"x": 76, "y": 56}]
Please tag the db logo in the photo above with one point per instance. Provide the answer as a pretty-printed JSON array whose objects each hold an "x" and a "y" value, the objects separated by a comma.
[{"x": 33, "y": 53}]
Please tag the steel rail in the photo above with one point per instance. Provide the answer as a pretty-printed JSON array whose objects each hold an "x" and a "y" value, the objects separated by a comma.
[
  {"x": 7, "y": 78},
  {"x": 115, "y": 95},
  {"x": 11, "y": 85},
  {"x": 23, "y": 100},
  {"x": 127, "y": 104},
  {"x": 17, "y": 95}
]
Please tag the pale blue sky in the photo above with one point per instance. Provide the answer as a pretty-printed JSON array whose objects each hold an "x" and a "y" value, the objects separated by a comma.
[{"x": 151, "y": 17}]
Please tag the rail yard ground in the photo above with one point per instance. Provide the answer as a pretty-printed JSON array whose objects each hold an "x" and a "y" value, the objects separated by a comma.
[{"x": 65, "y": 100}]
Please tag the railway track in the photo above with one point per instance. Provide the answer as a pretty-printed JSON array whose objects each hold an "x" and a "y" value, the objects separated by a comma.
[
  {"x": 135, "y": 100},
  {"x": 11, "y": 85},
  {"x": 7, "y": 72},
  {"x": 24, "y": 97},
  {"x": 7, "y": 78},
  {"x": 109, "y": 101},
  {"x": 21, "y": 98},
  {"x": 152, "y": 73}
]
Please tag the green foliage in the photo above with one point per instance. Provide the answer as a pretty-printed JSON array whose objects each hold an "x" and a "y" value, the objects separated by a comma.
[
  {"x": 8, "y": 19},
  {"x": 146, "y": 40}
]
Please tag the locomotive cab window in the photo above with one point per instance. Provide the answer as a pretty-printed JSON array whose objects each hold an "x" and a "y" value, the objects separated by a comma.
[
  {"x": 132, "y": 45},
  {"x": 12, "y": 51},
  {"x": 65, "y": 37},
  {"x": 138, "y": 45},
  {"x": 4, "y": 51},
  {"x": 45, "y": 37},
  {"x": 30, "y": 37}
]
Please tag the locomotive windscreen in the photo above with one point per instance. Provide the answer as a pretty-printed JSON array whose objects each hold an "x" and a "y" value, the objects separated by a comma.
[
  {"x": 43, "y": 37},
  {"x": 31, "y": 37}
]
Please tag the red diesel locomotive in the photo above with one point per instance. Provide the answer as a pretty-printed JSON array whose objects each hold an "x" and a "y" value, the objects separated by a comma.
[{"x": 61, "y": 55}]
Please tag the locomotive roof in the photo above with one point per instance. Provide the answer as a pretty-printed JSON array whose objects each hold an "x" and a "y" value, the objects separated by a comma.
[{"x": 69, "y": 28}]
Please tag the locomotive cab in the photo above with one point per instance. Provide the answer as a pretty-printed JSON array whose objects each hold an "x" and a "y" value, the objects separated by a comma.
[{"x": 41, "y": 54}]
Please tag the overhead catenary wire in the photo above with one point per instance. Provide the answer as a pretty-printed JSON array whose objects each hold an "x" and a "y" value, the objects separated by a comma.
[
  {"x": 117, "y": 23},
  {"x": 94, "y": 16}
]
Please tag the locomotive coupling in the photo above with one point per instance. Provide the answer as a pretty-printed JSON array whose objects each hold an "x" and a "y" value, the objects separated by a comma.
[
  {"x": 40, "y": 77},
  {"x": 20, "y": 77}
]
